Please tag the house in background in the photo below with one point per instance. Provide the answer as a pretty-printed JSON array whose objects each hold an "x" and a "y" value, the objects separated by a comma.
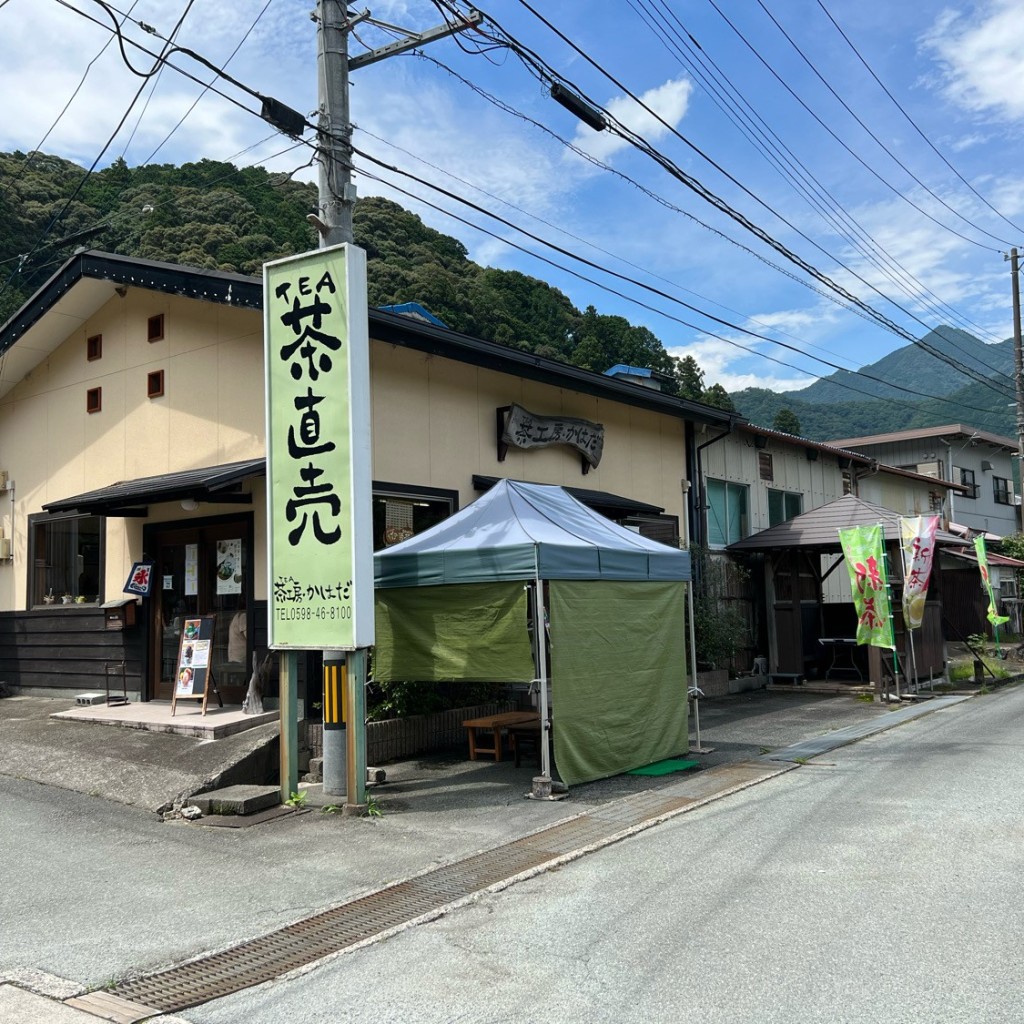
[
  {"x": 753, "y": 480},
  {"x": 132, "y": 418},
  {"x": 980, "y": 461}
]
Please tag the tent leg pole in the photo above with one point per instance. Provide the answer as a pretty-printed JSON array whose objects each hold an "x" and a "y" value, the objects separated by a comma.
[
  {"x": 542, "y": 785},
  {"x": 694, "y": 690}
]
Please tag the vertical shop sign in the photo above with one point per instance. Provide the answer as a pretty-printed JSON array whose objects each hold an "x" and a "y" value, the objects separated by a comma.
[
  {"x": 992, "y": 613},
  {"x": 191, "y": 570},
  {"x": 319, "y": 525},
  {"x": 918, "y": 542},
  {"x": 863, "y": 548}
]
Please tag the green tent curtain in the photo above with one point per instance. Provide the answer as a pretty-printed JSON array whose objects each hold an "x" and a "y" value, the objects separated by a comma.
[
  {"x": 618, "y": 671},
  {"x": 466, "y": 632}
]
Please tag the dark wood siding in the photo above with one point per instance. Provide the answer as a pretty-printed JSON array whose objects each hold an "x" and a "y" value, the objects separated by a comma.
[{"x": 66, "y": 649}]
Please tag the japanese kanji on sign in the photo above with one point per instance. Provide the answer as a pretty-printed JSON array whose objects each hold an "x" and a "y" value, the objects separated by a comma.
[
  {"x": 319, "y": 525},
  {"x": 993, "y": 615},
  {"x": 918, "y": 535},
  {"x": 863, "y": 548}
]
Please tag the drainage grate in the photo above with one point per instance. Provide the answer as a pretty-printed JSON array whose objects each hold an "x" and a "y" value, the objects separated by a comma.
[{"x": 296, "y": 945}]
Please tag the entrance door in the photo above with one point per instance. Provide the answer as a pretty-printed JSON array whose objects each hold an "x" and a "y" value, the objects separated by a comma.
[{"x": 198, "y": 571}]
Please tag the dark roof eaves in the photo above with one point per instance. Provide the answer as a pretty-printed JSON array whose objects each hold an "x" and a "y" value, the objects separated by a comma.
[
  {"x": 394, "y": 328},
  {"x": 192, "y": 282},
  {"x": 247, "y": 292}
]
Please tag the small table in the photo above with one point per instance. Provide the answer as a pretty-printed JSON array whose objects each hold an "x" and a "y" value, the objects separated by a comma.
[
  {"x": 494, "y": 724},
  {"x": 838, "y": 644}
]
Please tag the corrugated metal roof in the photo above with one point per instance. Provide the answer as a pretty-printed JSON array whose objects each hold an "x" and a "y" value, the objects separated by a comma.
[
  {"x": 948, "y": 429},
  {"x": 820, "y": 527}
]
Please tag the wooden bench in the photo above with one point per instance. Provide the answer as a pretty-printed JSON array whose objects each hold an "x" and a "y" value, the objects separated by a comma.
[{"x": 494, "y": 724}]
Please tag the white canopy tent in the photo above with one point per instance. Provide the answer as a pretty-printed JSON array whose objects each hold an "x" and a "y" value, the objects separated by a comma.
[{"x": 539, "y": 534}]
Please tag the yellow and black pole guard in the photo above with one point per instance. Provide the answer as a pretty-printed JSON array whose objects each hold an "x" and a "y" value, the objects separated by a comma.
[{"x": 335, "y": 680}]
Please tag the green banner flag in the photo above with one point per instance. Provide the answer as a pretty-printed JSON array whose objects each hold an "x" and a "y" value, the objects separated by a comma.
[
  {"x": 993, "y": 616},
  {"x": 865, "y": 560}
]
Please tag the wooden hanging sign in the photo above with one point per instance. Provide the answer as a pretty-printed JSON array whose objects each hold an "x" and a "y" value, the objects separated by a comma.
[{"x": 193, "y": 676}]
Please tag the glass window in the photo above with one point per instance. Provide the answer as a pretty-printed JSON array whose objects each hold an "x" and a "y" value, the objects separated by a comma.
[
  {"x": 65, "y": 553},
  {"x": 727, "y": 512},
  {"x": 783, "y": 505},
  {"x": 967, "y": 479},
  {"x": 400, "y": 512},
  {"x": 1002, "y": 490}
]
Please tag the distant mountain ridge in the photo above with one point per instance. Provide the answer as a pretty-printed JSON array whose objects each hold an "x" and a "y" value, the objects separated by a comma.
[{"x": 847, "y": 404}]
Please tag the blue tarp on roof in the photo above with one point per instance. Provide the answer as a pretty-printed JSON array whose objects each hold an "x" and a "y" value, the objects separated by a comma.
[
  {"x": 517, "y": 531},
  {"x": 414, "y": 309}
]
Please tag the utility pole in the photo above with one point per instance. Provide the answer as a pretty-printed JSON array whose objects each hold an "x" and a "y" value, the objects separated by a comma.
[
  {"x": 337, "y": 193},
  {"x": 1018, "y": 361},
  {"x": 344, "y": 674}
]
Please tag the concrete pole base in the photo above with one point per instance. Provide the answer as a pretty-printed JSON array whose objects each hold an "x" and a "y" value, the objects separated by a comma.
[{"x": 546, "y": 789}]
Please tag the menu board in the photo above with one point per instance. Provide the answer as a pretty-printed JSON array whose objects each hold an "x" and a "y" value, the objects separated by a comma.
[{"x": 193, "y": 676}]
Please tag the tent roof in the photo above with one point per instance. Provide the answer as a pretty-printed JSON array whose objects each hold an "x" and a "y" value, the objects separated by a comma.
[
  {"x": 819, "y": 528},
  {"x": 517, "y": 531}
]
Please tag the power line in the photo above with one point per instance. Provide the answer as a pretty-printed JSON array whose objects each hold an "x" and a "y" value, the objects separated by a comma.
[
  {"x": 85, "y": 177},
  {"x": 537, "y": 65},
  {"x": 594, "y": 245},
  {"x": 661, "y": 200},
  {"x": 30, "y": 159},
  {"x": 735, "y": 106},
  {"x": 622, "y": 277},
  {"x": 864, "y": 163},
  {"x": 899, "y": 163},
  {"x": 207, "y": 87},
  {"x": 912, "y": 122}
]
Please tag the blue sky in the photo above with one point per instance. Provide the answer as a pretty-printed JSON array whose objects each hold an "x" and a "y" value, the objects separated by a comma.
[{"x": 917, "y": 232}]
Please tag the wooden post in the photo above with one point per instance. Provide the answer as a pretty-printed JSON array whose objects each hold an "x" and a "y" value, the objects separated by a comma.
[
  {"x": 355, "y": 731},
  {"x": 289, "y": 725}
]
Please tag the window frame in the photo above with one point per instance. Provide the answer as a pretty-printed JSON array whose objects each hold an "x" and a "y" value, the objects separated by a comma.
[
  {"x": 155, "y": 328},
  {"x": 968, "y": 479},
  {"x": 382, "y": 490},
  {"x": 784, "y": 496},
  {"x": 730, "y": 487},
  {"x": 38, "y": 520},
  {"x": 1002, "y": 495}
]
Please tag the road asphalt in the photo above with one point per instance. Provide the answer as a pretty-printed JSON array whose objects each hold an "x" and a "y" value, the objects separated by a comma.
[{"x": 436, "y": 810}]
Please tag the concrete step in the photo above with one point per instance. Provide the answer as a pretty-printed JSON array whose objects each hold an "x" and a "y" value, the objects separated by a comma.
[{"x": 237, "y": 799}]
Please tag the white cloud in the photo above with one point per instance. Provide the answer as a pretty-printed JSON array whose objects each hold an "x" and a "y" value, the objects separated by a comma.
[
  {"x": 668, "y": 101},
  {"x": 721, "y": 363},
  {"x": 981, "y": 58}
]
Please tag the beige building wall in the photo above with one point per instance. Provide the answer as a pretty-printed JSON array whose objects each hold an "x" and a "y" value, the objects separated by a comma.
[
  {"x": 433, "y": 426},
  {"x": 211, "y": 412}
]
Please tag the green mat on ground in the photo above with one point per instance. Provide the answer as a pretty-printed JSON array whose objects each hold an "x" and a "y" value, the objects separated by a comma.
[{"x": 664, "y": 767}]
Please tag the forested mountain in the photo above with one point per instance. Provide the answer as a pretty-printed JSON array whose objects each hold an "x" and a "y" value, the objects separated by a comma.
[
  {"x": 833, "y": 407},
  {"x": 214, "y": 215}
]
